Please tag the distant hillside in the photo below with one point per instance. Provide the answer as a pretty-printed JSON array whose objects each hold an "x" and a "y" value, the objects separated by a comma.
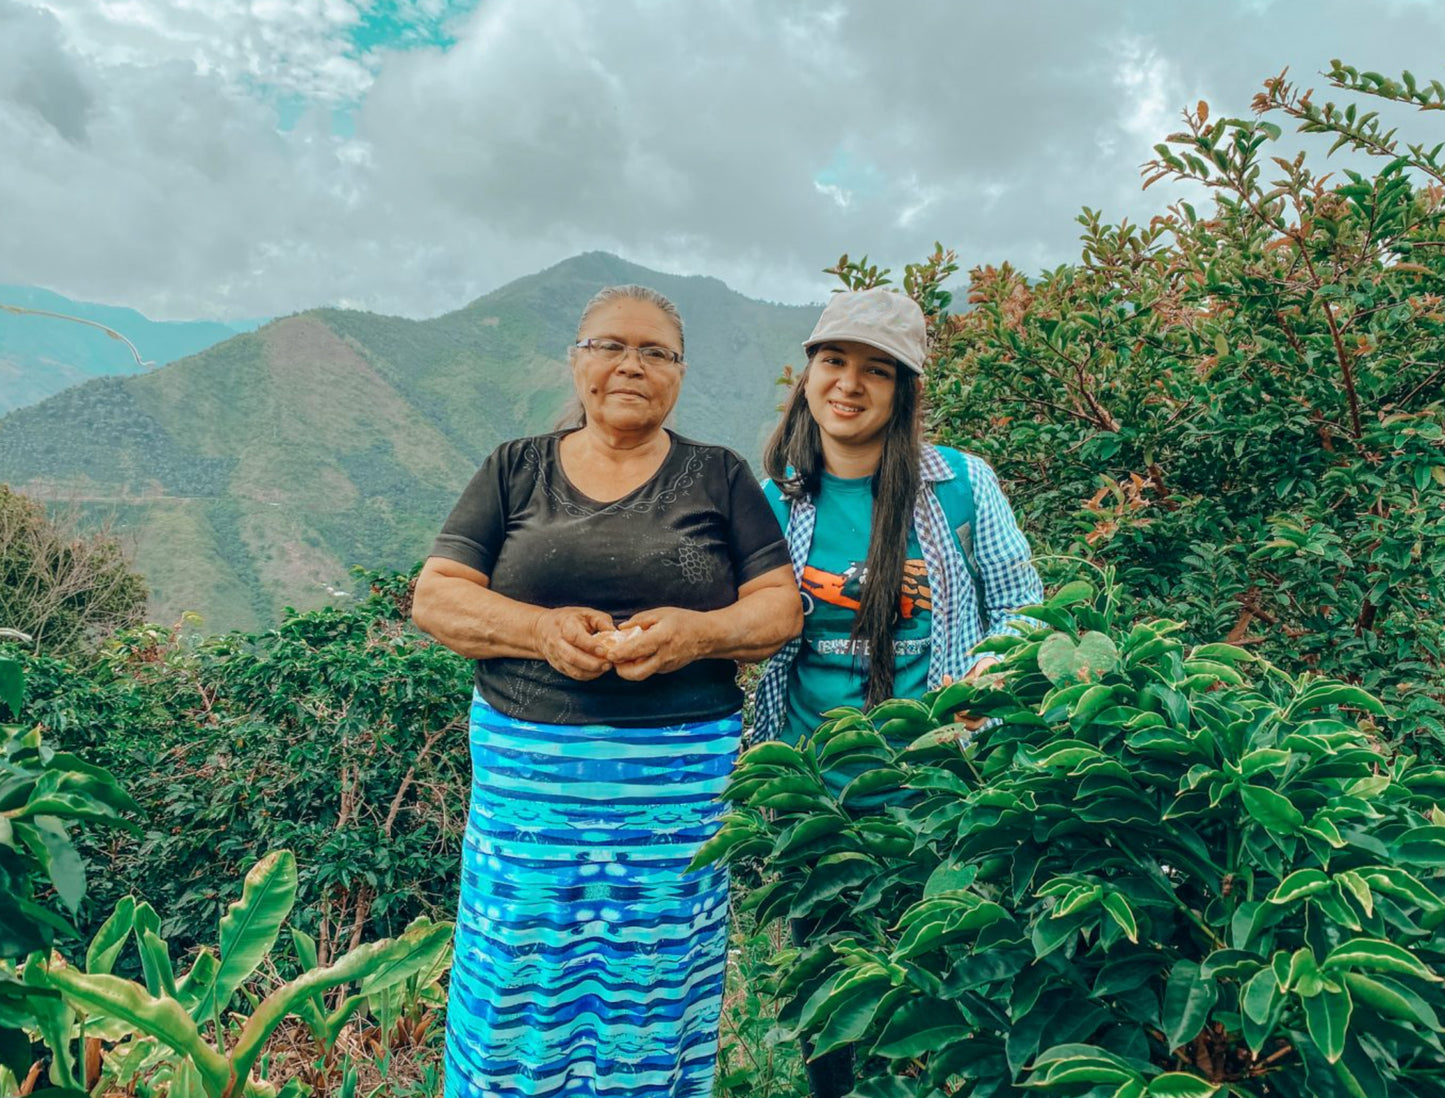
[
  {"x": 41, "y": 355},
  {"x": 252, "y": 475}
]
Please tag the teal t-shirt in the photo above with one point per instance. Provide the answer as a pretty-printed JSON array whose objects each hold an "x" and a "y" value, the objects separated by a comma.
[{"x": 829, "y": 670}]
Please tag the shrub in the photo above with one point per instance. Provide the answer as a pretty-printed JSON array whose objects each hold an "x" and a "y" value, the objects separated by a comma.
[
  {"x": 1162, "y": 870},
  {"x": 43, "y": 793},
  {"x": 1238, "y": 407},
  {"x": 62, "y": 588},
  {"x": 340, "y": 734}
]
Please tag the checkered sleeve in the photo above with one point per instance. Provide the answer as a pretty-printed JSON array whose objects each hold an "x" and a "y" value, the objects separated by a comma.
[{"x": 1005, "y": 562}]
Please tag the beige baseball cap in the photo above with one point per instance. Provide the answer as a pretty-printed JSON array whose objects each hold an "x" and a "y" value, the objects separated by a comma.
[{"x": 882, "y": 318}]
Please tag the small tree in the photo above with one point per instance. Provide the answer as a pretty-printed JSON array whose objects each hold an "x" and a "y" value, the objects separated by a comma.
[
  {"x": 62, "y": 587},
  {"x": 1240, "y": 407}
]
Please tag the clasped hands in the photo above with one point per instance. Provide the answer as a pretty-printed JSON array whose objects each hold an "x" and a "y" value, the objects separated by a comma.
[{"x": 584, "y": 644}]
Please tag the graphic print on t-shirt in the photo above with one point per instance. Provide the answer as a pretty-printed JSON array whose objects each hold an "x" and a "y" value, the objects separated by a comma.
[{"x": 845, "y": 589}]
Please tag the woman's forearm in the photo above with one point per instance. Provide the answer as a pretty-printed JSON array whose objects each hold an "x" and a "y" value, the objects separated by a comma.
[
  {"x": 755, "y": 626},
  {"x": 473, "y": 620}
]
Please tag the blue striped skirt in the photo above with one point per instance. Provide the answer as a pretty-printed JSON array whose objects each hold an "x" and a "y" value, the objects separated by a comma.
[{"x": 588, "y": 962}]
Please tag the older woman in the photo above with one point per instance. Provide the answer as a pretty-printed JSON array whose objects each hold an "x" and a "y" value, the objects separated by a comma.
[{"x": 605, "y": 579}]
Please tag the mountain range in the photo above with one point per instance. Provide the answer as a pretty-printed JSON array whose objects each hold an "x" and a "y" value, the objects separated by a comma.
[
  {"x": 44, "y": 350},
  {"x": 251, "y": 475}
]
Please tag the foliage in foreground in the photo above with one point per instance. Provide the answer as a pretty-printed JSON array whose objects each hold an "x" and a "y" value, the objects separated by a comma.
[
  {"x": 176, "y": 1032},
  {"x": 179, "y": 1034},
  {"x": 1151, "y": 875},
  {"x": 1238, "y": 407},
  {"x": 43, "y": 794},
  {"x": 337, "y": 734}
]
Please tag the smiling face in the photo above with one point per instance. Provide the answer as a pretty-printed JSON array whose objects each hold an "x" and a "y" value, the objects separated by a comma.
[
  {"x": 627, "y": 395},
  {"x": 849, "y": 388}
]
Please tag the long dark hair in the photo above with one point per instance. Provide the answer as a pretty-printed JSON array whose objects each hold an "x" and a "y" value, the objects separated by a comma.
[{"x": 793, "y": 460}]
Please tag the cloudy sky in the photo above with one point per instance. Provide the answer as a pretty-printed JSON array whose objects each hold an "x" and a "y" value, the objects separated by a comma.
[{"x": 235, "y": 158}]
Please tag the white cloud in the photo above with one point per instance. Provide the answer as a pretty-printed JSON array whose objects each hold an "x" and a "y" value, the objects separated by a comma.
[{"x": 744, "y": 139}]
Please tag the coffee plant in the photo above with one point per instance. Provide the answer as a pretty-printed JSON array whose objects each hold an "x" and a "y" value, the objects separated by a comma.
[
  {"x": 339, "y": 734},
  {"x": 44, "y": 793},
  {"x": 1161, "y": 869},
  {"x": 1240, "y": 407}
]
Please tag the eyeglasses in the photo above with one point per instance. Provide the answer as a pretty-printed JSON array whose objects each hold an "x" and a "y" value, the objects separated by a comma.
[{"x": 611, "y": 352}]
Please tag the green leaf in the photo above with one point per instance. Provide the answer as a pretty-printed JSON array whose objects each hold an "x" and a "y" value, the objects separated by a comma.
[
  {"x": 54, "y": 1018},
  {"x": 952, "y": 698},
  {"x": 110, "y": 939},
  {"x": 191, "y": 986},
  {"x": 1377, "y": 955},
  {"x": 871, "y": 782},
  {"x": 1352, "y": 883},
  {"x": 15, "y": 1051},
  {"x": 1397, "y": 882},
  {"x": 155, "y": 959},
  {"x": 1298, "y": 885},
  {"x": 1230, "y": 964},
  {"x": 831, "y": 877},
  {"x": 717, "y": 848},
  {"x": 1272, "y": 810},
  {"x": 162, "y": 1019},
  {"x": 1117, "y": 905},
  {"x": 1422, "y": 846},
  {"x": 773, "y": 753},
  {"x": 12, "y": 686},
  {"x": 806, "y": 832},
  {"x": 1321, "y": 696},
  {"x": 915, "y": 713},
  {"x": 355, "y": 965},
  {"x": 63, "y": 862},
  {"x": 187, "y": 1082},
  {"x": 305, "y": 947},
  {"x": 1262, "y": 1004},
  {"x": 921, "y": 1025},
  {"x": 949, "y": 877},
  {"x": 1071, "y": 594},
  {"x": 1179, "y": 1084},
  {"x": 430, "y": 942},
  {"x": 1327, "y": 1017},
  {"x": 886, "y": 1086},
  {"x": 848, "y": 1018},
  {"x": 1221, "y": 653},
  {"x": 1188, "y": 999},
  {"x": 1062, "y": 661},
  {"x": 250, "y": 926},
  {"x": 1060, "y": 754},
  {"x": 1392, "y": 999},
  {"x": 1062, "y": 1073}
]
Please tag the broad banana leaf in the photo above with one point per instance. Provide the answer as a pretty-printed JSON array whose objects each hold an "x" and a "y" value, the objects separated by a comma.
[
  {"x": 250, "y": 927},
  {"x": 163, "y": 1019}
]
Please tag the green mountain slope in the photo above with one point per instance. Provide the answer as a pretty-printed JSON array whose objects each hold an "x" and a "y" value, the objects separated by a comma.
[
  {"x": 41, "y": 355},
  {"x": 251, "y": 475}
]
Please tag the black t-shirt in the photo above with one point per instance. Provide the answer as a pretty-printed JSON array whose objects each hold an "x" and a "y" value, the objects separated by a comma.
[{"x": 689, "y": 537}]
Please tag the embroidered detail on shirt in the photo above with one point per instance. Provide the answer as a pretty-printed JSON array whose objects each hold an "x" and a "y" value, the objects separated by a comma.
[
  {"x": 696, "y": 565},
  {"x": 655, "y": 496}
]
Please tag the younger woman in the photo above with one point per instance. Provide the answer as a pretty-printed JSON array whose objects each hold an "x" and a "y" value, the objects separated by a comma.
[{"x": 886, "y": 534}]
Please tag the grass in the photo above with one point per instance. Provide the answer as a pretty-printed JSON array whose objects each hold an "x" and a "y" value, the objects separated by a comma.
[{"x": 750, "y": 1061}]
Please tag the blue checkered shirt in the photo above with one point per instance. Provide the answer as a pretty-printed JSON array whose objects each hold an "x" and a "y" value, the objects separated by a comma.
[{"x": 1004, "y": 563}]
